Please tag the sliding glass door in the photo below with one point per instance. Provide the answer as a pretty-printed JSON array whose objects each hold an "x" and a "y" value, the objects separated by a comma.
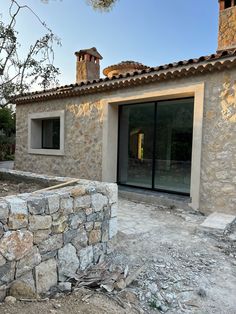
[
  {"x": 136, "y": 144},
  {"x": 173, "y": 149},
  {"x": 155, "y": 145}
]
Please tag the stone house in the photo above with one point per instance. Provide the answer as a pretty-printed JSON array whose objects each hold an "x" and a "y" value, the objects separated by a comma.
[{"x": 169, "y": 128}]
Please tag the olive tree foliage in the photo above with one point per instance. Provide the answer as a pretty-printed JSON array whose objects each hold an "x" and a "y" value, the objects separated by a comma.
[
  {"x": 18, "y": 73},
  {"x": 102, "y": 5},
  {"x": 35, "y": 67}
]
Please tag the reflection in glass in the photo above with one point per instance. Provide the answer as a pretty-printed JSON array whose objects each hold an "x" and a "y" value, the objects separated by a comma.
[
  {"x": 174, "y": 127},
  {"x": 136, "y": 144}
]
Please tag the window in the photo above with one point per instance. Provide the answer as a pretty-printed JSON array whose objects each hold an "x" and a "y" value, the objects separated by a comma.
[
  {"x": 51, "y": 133},
  {"x": 46, "y": 133}
]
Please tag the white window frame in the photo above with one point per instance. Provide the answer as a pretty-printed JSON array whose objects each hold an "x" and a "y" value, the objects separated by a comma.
[{"x": 35, "y": 135}]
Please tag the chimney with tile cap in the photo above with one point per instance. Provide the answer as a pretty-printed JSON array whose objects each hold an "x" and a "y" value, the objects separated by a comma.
[
  {"x": 227, "y": 25},
  {"x": 87, "y": 65}
]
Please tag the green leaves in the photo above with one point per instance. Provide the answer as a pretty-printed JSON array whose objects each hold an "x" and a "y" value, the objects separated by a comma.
[{"x": 7, "y": 121}]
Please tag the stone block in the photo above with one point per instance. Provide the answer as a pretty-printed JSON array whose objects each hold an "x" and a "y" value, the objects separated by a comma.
[
  {"x": 88, "y": 211},
  {"x": 98, "y": 202},
  {"x": 24, "y": 287},
  {"x": 86, "y": 257},
  {"x": 2, "y": 260},
  {"x": 2, "y": 230},
  {"x": 81, "y": 239},
  {"x": 67, "y": 205},
  {"x": 217, "y": 223},
  {"x": 114, "y": 210},
  {"x": 37, "y": 222},
  {"x": 4, "y": 211},
  {"x": 99, "y": 216},
  {"x": 7, "y": 272},
  {"x": 54, "y": 242},
  {"x": 78, "y": 191},
  {"x": 113, "y": 228},
  {"x": 105, "y": 231},
  {"x": 97, "y": 225},
  {"x": 14, "y": 245},
  {"x": 107, "y": 212},
  {"x": 3, "y": 292},
  {"x": 28, "y": 262},
  {"x": 17, "y": 221},
  {"x": 17, "y": 205},
  {"x": 46, "y": 276},
  {"x": 64, "y": 286},
  {"x": 41, "y": 235},
  {"x": 48, "y": 255},
  {"x": 77, "y": 219},
  {"x": 89, "y": 226},
  {"x": 69, "y": 235},
  {"x": 112, "y": 192},
  {"x": 68, "y": 262},
  {"x": 37, "y": 205},
  {"x": 82, "y": 202},
  {"x": 98, "y": 253},
  {"x": 60, "y": 224},
  {"x": 53, "y": 203},
  {"x": 95, "y": 237}
]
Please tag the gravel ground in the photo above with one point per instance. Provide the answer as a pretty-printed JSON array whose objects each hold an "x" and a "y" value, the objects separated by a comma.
[{"x": 185, "y": 271}]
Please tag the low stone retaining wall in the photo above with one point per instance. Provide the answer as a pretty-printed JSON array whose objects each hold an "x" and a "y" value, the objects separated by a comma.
[{"x": 47, "y": 236}]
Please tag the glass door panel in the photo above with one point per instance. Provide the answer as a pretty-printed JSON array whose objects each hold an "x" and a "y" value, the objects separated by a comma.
[
  {"x": 136, "y": 144},
  {"x": 173, "y": 147}
]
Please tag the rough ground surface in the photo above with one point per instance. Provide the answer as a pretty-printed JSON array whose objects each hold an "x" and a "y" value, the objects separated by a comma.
[
  {"x": 186, "y": 271},
  {"x": 8, "y": 187}
]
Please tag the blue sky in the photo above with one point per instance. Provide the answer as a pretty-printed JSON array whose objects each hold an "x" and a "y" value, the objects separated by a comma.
[{"x": 153, "y": 32}]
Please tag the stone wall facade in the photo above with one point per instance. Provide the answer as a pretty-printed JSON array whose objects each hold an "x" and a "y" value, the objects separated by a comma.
[
  {"x": 218, "y": 167},
  {"x": 47, "y": 236},
  {"x": 227, "y": 29},
  {"x": 84, "y": 136}
]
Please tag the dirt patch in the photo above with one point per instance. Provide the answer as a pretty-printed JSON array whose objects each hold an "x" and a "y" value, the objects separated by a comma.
[
  {"x": 10, "y": 187},
  {"x": 80, "y": 302}
]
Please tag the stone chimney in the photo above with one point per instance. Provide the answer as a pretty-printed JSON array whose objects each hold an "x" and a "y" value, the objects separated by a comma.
[
  {"x": 87, "y": 65},
  {"x": 227, "y": 25}
]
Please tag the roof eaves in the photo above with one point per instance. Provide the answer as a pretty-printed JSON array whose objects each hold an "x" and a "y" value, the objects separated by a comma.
[{"x": 180, "y": 69}]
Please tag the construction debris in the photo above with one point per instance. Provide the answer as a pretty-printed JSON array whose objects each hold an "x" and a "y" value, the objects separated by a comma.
[{"x": 105, "y": 276}]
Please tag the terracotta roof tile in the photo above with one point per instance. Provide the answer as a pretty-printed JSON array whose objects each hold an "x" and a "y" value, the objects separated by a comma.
[{"x": 203, "y": 64}]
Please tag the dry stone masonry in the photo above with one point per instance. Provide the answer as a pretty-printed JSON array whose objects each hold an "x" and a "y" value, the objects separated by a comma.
[{"x": 47, "y": 236}]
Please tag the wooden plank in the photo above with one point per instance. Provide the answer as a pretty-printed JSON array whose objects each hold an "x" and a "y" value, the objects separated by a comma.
[{"x": 53, "y": 187}]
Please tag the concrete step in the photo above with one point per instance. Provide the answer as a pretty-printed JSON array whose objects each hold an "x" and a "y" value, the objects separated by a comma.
[{"x": 217, "y": 223}]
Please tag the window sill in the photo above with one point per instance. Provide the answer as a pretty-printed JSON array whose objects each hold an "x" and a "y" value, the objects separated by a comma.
[{"x": 52, "y": 152}]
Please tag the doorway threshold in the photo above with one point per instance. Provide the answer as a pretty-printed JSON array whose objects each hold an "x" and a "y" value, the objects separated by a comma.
[{"x": 154, "y": 197}]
